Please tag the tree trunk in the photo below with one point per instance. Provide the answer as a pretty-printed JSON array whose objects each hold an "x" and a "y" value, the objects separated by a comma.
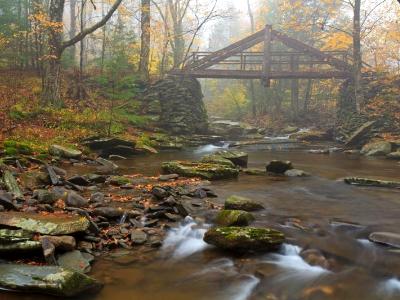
[
  {"x": 51, "y": 94},
  {"x": 357, "y": 56},
  {"x": 72, "y": 31},
  {"x": 145, "y": 40}
]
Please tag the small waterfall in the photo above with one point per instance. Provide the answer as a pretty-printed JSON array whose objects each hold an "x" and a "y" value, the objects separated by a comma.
[
  {"x": 185, "y": 240},
  {"x": 212, "y": 148},
  {"x": 390, "y": 288},
  {"x": 294, "y": 266}
]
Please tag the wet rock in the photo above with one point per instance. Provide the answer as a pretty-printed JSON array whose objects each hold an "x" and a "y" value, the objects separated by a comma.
[
  {"x": 65, "y": 243},
  {"x": 108, "y": 212},
  {"x": 202, "y": 170},
  {"x": 394, "y": 155},
  {"x": 159, "y": 192},
  {"x": 6, "y": 201},
  {"x": 111, "y": 146},
  {"x": 244, "y": 239},
  {"x": 17, "y": 240},
  {"x": 64, "y": 152},
  {"x": 45, "y": 279},
  {"x": 97, "y": 198},
  {"x": 255, "y": 172},
  {"x": 371, "y": 182},
  {"x": 381, "y": 148},
  {"x": 172, "y": 217},
  {"x": 76, "y": 200},
  {"x": 138, "y": 237},
  {"x": 312, "y": 136},
  {"x": 11, "y": 184},
  {"x": 119, "y": 180},
  {"x": 216, "y": 159},
  {"x": 315, "y": 257},
  {"x": 290, "y": 130},
  {"x": 45, "y": 196},
  {"x": 278, "y": 166},
  {"x": 79, "y": 180},
  {"x": 151, "y": 223},
  {"x": 234, "y": 218},
  {"x": 296, "y": 173},
  {"x": 96, "y": 178},
  {"x": 45, "y": 224},
  {"x": 107, "y": 167},
  {"x": 351, "y": 152},
  {"x": 238, "y": 158},
  {"x": 2, "y": 208},
  {"x": 168, "y": 177},
  {"x": 386, "y": 238},
  {"x": 242, "y": 203},
  {"x": 227, "y": 128},
  {"x": 360, "y": 136},
  {"x": 75, "y": 261},
  {"x": 145, "y": 149}
]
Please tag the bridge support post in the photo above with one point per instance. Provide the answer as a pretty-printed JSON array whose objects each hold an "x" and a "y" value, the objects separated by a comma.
[
  {"x": 267, "y": 56},
  {"x": 294, "y": 67}
]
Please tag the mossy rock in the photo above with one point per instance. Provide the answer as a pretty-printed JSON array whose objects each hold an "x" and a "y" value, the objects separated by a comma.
[
  {"x": 209, "y": 171},
  {"x": 234, "y": 218},
  {"x": 380, "y": 148},
  {"x": 17, "y": 240},
  {"x": 45, "y": 279},
  {"x": 244, "y": 239},
  {"x": 278, "y": 166},
  {"x": 216, "y": 159},
  {"x": 64, "y": 152},
  {"x": 119, "y": 180},
  {"x": 13, "y": 148},
  {"x": 45, "y": 224},
  {"x": 239, "y": 158},
  {"x": 242, "y": 203}
]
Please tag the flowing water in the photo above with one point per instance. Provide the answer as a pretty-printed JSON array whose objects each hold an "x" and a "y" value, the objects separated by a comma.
[{"x": 338, "y": 219}]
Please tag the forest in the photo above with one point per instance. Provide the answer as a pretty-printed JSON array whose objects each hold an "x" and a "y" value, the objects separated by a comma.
[{"x": 192, "y": 149}]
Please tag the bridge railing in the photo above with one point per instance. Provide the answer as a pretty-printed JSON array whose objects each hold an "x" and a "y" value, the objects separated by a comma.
[{"x": 280, "y": 60}]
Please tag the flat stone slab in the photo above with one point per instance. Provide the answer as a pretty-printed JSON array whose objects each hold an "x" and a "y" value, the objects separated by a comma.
[
  {"x": 372, "y": 182},
  {"x": 45, "y": 279},
  {"x": 17, "y": 240},
  {"x": 45, "y": 224},
  {"x": 386, "y": 238},
  {"x": 209, "y": 171}
]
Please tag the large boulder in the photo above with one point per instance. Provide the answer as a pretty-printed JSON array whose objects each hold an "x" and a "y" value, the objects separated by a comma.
[
  {"x": 227, "y": 128},
  {"x": 234, "y": 218},
  {"x": 242, "y": 203},
  {"x": 380, "y": 148},
  {"x": 244, "y": 239},
  {"x": 111, "y": 146},
  {"x": 75, "y": 260},
  {"x": 45, "y": 224},
  {"x": 64, "y": 152},
  {"x": 45, "y": 279},
  {"x": 238, "y": 158},
  {"x": 278, "y": 166},
  {"x": 208, "y": 171}
]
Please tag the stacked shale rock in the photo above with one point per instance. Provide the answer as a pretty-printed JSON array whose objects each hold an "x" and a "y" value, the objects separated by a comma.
[{"x": 179, "y": 104}]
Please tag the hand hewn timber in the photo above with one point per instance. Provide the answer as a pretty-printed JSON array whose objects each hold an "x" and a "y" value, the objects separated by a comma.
[
  {"x": 300, "y": 46},
  {"x": 224, "y": 50},
  {"x": 238, "y": 74}
]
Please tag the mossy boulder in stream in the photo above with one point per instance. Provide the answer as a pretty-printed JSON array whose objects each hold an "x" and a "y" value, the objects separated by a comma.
[
  {"x": 242, "y": 203},
  {"x": 45, "y": 279},
  {"x": 244, "y": 239},
  {"x": 210, "y": 171},
  {"x": 237, "y": 158},
  {"x": 380, "y": 148},
  {"x": 45, "y": 224},
  {"x": 372, "y": 182},
  {"x": 234, "y": 218}
]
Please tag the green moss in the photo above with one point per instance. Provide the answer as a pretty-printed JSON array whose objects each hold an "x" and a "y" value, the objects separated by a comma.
[
  {"x": 234, "y": 218},
  {"x": 242, "y": 203},
  {"x": 12, "y": 147},
  {"x": 208, "y": 171},
  {"x": 119, "y": 180}
]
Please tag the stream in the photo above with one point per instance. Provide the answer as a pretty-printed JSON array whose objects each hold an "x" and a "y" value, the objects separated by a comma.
[{"x": 338, "y": 219}]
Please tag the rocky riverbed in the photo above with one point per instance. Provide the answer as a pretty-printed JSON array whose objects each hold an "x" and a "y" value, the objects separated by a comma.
[{"x": 61, "y": 214}]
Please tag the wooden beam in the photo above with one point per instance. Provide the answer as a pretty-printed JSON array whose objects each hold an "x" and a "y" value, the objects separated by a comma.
[
  {"x": 267, "y": 56},
  {"x": 300, "y": 46},
  {"x": 216, "y": 59},
  {"x": 226, "y": 49},
  {"x": 238, "y": 74}
]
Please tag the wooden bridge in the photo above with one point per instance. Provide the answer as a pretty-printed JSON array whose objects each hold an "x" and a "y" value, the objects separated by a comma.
[{"x": 237, "y": 62}]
